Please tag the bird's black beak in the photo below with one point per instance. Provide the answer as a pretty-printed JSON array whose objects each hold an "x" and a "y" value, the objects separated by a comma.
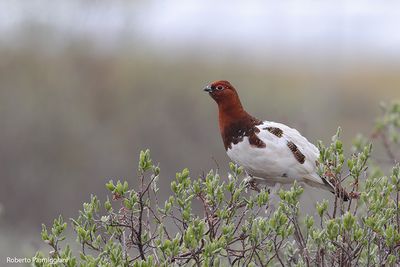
[{"x": 208, "y": 89}]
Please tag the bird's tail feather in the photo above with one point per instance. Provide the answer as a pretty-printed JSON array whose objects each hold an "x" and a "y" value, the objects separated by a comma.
[
  {"x": 332, "y": 186},
  {"x": 336, "y": 188}
]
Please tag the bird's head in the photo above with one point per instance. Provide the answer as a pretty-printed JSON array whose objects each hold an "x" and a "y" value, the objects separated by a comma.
[{"x": 223, "y": 93}]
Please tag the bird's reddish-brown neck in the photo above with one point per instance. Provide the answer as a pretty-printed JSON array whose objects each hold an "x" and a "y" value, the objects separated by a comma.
[
  {"x": 231, "y": 112},
  {"x": 235, "y": 122}
]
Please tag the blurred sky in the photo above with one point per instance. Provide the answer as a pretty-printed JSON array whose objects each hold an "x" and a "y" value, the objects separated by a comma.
[{"x": 350, "y": 27}]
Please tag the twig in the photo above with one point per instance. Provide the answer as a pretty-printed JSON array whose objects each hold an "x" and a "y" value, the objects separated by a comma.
[{"x": 388, "y": 150}]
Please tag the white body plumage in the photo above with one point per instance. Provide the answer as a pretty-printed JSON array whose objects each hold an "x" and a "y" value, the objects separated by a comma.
[{"x": 276, "y": 162}]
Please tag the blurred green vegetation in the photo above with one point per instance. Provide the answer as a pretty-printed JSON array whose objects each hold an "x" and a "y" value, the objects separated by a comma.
[{"x": 75, "y": 116}]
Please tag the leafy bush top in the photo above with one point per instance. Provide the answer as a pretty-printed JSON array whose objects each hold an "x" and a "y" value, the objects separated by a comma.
[{"x": 214, "y": 220}]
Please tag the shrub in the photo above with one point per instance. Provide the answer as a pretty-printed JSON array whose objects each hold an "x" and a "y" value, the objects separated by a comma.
[{"x": 214, "y": 220}]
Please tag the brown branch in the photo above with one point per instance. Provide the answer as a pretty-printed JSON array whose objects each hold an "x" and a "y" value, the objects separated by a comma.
[{"x": 386, "y": 145}]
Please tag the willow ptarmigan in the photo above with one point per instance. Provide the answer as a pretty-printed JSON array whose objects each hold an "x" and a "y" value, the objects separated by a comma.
[{"x": 269, "y": 151}]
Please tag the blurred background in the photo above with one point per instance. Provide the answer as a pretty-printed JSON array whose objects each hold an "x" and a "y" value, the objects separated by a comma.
[{"x": 85, "y": 85}]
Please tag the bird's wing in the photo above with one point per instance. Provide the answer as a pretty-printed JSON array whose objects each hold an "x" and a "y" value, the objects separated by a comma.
[
  {"x": 277, "y": 153},
  {"x": 296, "y": 156},
  {"x": 286, "y": 154}
]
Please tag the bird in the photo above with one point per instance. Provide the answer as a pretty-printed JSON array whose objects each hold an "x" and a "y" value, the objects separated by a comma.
[{"x": 270, "y": 152}]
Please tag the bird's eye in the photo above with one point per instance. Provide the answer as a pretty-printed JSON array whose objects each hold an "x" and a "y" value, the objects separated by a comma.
[{"x": 219, "y": 87}]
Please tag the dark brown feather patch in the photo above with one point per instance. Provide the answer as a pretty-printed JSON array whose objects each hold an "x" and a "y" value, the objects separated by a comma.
[
  {"x": 274, "y": 130},
  {"x": 254, "y": 140},
  {"x": 296, "y": 152},
  {"x": 236, "y": 131}
]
